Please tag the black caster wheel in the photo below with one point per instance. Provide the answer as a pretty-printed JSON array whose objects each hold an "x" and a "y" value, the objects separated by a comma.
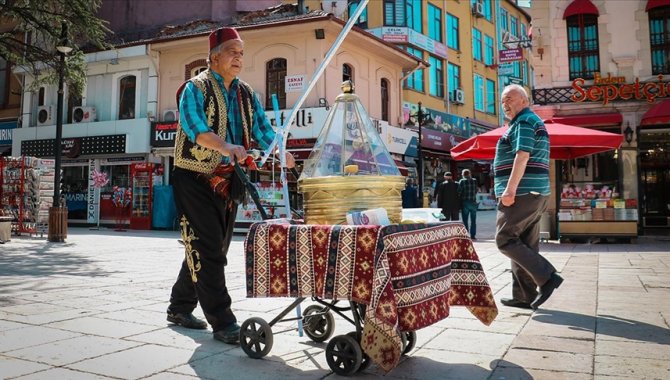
[
  {"x": 366, "y": 359},
  {"x": 256, "y": 337},
  {"x": 318, "y": 323},
  {"x": 408, "y": 341},
  {"x": 344, "y": 355}
]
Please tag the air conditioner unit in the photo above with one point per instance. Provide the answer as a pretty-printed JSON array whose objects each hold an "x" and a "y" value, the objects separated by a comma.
[
  {"x": 458, "y": 96},
  {"x": 46, "y": 115},
  {"x": 83, "y": 114},
  {"x": 478, "y": 9},
  {"x": 171, "y": 115}
]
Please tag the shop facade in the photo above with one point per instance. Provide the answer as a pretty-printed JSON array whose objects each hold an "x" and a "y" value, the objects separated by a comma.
[{"x": 618, "y": 85}]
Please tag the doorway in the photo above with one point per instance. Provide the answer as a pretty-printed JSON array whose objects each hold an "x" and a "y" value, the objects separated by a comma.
[{"x": 654, "y": 153}]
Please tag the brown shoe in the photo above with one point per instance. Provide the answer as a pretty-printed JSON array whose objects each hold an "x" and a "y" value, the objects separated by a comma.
[
  {"x": 186, "y": 320},
  {"x": 546, "y": 290},
  {"x": 511, "y": 302}
]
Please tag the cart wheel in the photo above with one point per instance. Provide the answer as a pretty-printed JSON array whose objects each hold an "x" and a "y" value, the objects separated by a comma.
[
  {"x": 344, "y": 355},
  {"x": 256, "y": 337},
  {"x": 366, "y": 359},
  {"x": 318, "y": 325},
  {"x": 408, "y": 341}
]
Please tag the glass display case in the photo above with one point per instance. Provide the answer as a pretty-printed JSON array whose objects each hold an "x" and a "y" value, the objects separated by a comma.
[
  {"x": 141, "y": 179},
  {"x": 349, "y": 168}
]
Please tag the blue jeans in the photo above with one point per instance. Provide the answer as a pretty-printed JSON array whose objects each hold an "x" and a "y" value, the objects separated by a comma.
[{"x": 469, "y": 213}]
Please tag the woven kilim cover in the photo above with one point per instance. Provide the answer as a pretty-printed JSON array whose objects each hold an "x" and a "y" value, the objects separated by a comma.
[{"x": 408, "y": 275}]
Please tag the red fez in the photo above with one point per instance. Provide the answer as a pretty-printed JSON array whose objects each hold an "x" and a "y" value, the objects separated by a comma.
[{"x": 222, "y": 35}]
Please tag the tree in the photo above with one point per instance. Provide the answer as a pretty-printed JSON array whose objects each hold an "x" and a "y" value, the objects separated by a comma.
[{"x": 33, "y": 30}]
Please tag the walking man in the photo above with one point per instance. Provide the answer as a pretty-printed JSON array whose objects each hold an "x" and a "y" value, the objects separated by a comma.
[
  {"x": 467, "y": 189},
  {"x": 218, "y": 116},
  {"x": 447, "y": 197},
  {"x": 521, "y": 183}
]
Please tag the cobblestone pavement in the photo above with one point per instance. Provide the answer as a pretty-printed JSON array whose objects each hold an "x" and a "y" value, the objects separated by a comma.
[{"x": 94, "y": 308}]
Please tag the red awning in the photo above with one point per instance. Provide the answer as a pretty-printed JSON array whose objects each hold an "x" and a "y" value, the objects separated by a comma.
[
  {"x": 590, "y": 120},
  {"x": 401, "y": 166},
  {"x": 651, "y": 4},
  {"x": 580, "y": 7},
  {"x": 657, "y": 115}
]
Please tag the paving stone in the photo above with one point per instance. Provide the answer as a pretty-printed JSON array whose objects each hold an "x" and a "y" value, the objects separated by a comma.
[
  {"x": 32, "y": 336},
  {"x": 102, "y": 327},
  {"x": 71, "y": 350},
  {"x": 11, "y": 367},
  {"x": 61, "y": 374}
]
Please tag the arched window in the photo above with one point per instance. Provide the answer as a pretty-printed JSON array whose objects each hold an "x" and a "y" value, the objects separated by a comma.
[
  {"x": 198, "y": 70},
  {"x": 385, "y": 99},
  {"x": 659, "y": 37},
  {"x": 581, "y": 18},
  {"x": 347, "y": 72},
  {"x": 583, "y": 49},
  {"x": 127, "y": 88},
  {"x": 275, "y": 75}
]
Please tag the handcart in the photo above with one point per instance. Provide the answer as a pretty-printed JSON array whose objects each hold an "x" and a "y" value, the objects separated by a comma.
[
  {"x": 382, "y": 306},
  {"x": 343, "y": 352}
]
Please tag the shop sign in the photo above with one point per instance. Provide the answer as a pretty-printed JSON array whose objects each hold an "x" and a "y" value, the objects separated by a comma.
[
  {"x": 71, "y": 148},
  {"x": 407, "y": 35},
  {"x": 515, "y": 80},
  {"x": 439, "y": 141},
  {"x": 93, "y": 208},
  {"x": 306, "y": 124},
  {"x": 6, "y": 132},
  {"x": 506, "y": 69},
  {"x": 122, "y": 160},
  {"x": 397, "y": 140},
  {"x": 163, "y": 134},
  {"x": 294, "y": 83},
  {"x": 607, "y": 89},
  {"x": 510, "y": 55}
]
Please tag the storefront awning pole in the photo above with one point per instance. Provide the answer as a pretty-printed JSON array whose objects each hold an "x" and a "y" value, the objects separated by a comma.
[{"x": 317, "y": 74}]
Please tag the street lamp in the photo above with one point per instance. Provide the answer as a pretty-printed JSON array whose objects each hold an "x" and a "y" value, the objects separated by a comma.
[
  {"x": 422, "y": 120},
  {"x": 56, "y": 232}
]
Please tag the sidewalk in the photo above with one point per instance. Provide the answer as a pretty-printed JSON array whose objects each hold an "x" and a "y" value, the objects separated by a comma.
[{"x": 94, "y": 308}]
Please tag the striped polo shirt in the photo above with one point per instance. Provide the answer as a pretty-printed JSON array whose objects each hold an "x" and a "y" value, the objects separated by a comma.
[{"x": 527, "y": 133}]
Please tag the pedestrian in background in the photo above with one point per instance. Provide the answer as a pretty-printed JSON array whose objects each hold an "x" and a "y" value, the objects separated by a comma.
[
  {"x": 467, "y": 190},
  {"x": 521, "y": 169},
  {"x": 409, "y": 195},
  {"x": 218, "y": 116},
  {"x": 447, "y": 197}
]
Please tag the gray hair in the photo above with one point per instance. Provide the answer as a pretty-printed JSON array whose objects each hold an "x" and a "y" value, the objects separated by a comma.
[{"x": 518, "y": 89}]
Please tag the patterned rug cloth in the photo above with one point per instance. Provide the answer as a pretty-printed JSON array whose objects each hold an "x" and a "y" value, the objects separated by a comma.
[{"x": 409, "y": 275}]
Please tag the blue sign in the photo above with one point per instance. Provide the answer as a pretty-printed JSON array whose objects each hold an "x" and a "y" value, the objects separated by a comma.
[
  {"x": 413, "y": 147},
  {"x": 6, "y": 132}
]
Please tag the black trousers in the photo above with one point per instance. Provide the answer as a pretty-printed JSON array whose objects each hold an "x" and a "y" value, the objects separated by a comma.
[
  {"x": 518, "y": 237},
  {"x": 206, "y": 228},
  {"x": 450, "y": 214}
]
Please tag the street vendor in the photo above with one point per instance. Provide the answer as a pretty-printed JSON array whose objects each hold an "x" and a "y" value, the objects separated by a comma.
[{"x": 219, "y": 115}]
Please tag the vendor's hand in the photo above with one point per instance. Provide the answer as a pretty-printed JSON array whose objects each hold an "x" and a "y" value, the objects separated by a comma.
[
  {"x": 235, "y": 152},
  {"x": 507, "y": 198},
  {"x": 290, "y": 160}
]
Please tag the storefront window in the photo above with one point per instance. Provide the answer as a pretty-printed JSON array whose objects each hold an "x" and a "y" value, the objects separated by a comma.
[
  {"x": 127, "y": 98},
  {"x": 74, "y": 185},
  {"x": 118, "y": 175}
]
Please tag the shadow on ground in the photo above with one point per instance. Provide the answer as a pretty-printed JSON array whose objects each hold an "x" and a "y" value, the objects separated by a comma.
[
  {"x": 607, "y": 325},
  {"x": 47, "y": 259}
]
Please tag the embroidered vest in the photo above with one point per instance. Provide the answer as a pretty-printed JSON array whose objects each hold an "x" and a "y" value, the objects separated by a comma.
[{"x": 192, "y": 156}]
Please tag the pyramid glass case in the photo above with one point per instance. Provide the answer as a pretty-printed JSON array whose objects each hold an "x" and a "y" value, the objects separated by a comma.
[{"x": 349, "y": 168}]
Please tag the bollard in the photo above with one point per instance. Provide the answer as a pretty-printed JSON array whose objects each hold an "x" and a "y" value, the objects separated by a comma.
[{"x": 57, "y": 224}]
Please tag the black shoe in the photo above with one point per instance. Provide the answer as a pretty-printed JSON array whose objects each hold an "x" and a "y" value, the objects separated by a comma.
[
  {"x": 511, "y": 302},
  {"x": 186, "y": 320},
  {"x": 229, "y": 334},
  {"x": 546, "y": 290}
]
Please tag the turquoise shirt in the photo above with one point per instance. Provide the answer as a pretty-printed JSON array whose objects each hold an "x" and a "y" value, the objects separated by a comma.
[
  {"x": 526, "y": 133},
  {"x": 194, "y": 122}
]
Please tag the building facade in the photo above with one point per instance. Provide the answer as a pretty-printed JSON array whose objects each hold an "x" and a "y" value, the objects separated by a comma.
[{"x": 606, "y": 65}]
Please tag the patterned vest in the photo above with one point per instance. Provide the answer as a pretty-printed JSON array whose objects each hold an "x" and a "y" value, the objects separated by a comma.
[{"x": 197, "y": 158}]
